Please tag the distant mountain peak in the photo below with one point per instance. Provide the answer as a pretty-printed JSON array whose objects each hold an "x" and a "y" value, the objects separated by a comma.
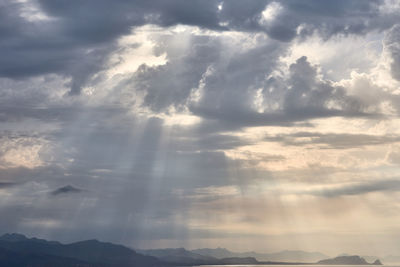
[{"x": 13, "y": 237}]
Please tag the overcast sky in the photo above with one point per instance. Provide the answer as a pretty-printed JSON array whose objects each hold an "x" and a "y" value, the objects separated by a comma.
[{"x": 251, "y": 125}]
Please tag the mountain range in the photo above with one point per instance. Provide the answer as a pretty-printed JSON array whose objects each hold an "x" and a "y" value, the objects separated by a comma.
[
  {"x": 179, "y": 255},
  {"x": 17, "y": 250},
  {"x": 286, "y": 255},
  {"x": 208, "y": 254}
]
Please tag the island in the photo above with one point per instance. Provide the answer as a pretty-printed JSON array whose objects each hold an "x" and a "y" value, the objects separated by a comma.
[{"x": 347, "y": 260}]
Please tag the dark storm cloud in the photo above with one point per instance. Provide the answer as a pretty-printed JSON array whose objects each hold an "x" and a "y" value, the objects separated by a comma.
[
  {"x": 390, "y": 185},
  {"x": 76, "y": 39},
  {"x": 334, "y": 141},
  {"x": 68, "y": 189},
  {"x": 101, "y": 20},
  {"x": 327, "y": 19},
  {"x": 41, "y": 47}
]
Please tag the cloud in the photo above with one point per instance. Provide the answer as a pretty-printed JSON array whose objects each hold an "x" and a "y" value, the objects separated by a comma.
[
  {"x": 41, "y": 47},
  {"x": 292, "y": 19},
  {"x": 392, "y": 40},
  {"x": 297, "y": 97},
  {"x": 353, "y": 189},
  {"x": 74, "y": 44},
  {"x": 51, "y": 37},
  {"x": 173, "y": 148},
  {"x": 232, "y": 85},
  {"x": 332, "y": 140},
  {"x": 4, "y": 185},
  {"x": 68, "y": 189}
]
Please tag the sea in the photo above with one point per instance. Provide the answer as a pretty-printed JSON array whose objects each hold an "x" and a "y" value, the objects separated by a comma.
[{"x": 298, "y": 265}]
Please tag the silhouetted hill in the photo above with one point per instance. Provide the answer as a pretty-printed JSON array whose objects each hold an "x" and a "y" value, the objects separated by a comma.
[
  {"x": 366, "y": 257},
  {"x": 14, "y": 259},
  {"x": 179, "y": 255},
  {"x": 13, "y": 237},
  {"x": 235, "y": 260},
  {"x": 347, "y": 260},
  {"x": 295, "y": 256},
  {"x": 93, "y": 252},
  {"x": 218, "y": 253},
  {"x": 282, "y": 256},
  {"x": 17, "y": 250}
]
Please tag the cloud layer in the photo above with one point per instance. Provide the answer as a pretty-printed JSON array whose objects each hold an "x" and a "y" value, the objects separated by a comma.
[{"x": 202, "y": 123}]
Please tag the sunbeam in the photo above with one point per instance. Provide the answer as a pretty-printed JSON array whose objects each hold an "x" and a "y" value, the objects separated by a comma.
[{"x": 199, "y": 132}]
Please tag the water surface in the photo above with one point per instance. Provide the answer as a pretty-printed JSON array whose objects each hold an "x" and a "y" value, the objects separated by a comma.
[{"x": 298, "y": 265}]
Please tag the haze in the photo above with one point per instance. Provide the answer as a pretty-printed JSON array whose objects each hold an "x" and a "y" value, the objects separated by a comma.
[{"x": 251, "y": 125}]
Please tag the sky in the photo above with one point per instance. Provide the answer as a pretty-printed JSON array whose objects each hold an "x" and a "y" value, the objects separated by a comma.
[{"x": 250, "y": 125}]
